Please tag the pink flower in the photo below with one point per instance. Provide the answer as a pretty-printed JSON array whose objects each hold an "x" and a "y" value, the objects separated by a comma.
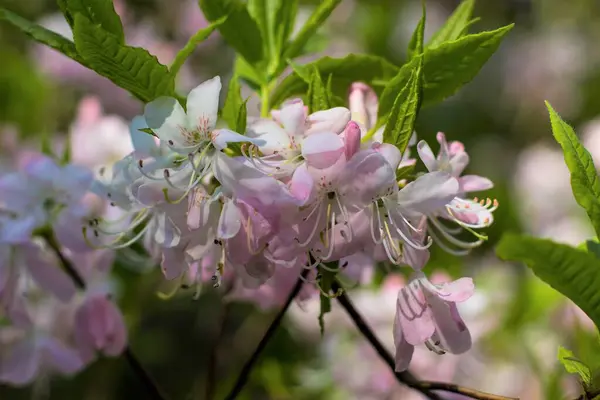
[
  {"x": 427, "y": 313},
  {"x": 99, "y": 326}
]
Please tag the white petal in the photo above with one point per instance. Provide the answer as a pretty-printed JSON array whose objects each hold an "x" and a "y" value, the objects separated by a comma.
[
  {"x": 166, "y": 118},
  {"x": 230, "y": 221},
  {"x": 203, "y": 104},
  {"x": 221, "y": 137}
]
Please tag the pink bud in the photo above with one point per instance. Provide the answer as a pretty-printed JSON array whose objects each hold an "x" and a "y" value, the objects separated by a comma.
[
  {"x": 99, "y": 326},
  {"x": 351, "y": 139}
]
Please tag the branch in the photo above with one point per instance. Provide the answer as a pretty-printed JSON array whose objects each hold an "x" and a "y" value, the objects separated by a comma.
[
  {"x": 245, "y": 374},
  {"x": 405, "y": 377},
  {"x": 131, "y": 359}
]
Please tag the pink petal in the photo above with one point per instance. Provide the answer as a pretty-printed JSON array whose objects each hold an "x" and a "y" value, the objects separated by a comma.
[
  {"x": 62, "y": 358},
  {"x": 429, "y": 192},
  {"x": 21, "y": 364},
  {"x": 351, "y": 139},
  {"x": 322, "y": 150},
  {"x": 449, "y": 326},
  {"x": 389, "y": 152},
  {"x": 404, "y": 350},
  {"x": 301, "y": 185},
  {"x": 474, "y": 183},
  {"x": 427, "y": 156},
  {"x": 48, "y": 275},
  {"x": 230, "y": 221},
  {"x": 333, "y": 120},
  {"x": 414, "y": 316},
  {"x": 293, "y": 116},
  {"x": 173, "y": 262},
  {"x": 457, "y": 291}
]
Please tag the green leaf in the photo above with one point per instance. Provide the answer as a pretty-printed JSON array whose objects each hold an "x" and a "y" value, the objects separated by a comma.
[
  {"x": 132, "y": 68},
  {"x": 194, "y": 41},
  {"x": 446, "y": 68},
  {"x": 242, "y": 118},
  {"x": 317, "y": 18},
  {"x": 240, "y": 30},
  {"x": 573, "y": 272},
  {"x": 405, "y": 172},
  {"x": 318, "y": 96},
  {"x": 246, "y": 72},
  {"x": 42, "y": 35},
  {"x": 233, "y": 102},
  {"x": 584, "y": 178},
  {"x": 575, "y": 366},
  {"x": 401, "y": 123},
  {"x": 259, "y": 10},
  {"x": 415, "y": 46},
  {"x": 593, "y": 247},
  {"x": 455, "y": 26},
  {"x": 98, "y": 12},
  {"x": 344, "y": 71},
  {"x": 283, "y": 23}
]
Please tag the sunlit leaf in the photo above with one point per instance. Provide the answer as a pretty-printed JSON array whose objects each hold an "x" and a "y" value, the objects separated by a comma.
[
  {"x": 344, "y": 71},
  {"x": 584, "y": 178},
  {"x": 455, "y": 26},
  {"x": 99, "y": 12},
  {"x": 446, "y": 68},
  {"x": 132, "y": 68},
  {"x": 573, "y": 272}
]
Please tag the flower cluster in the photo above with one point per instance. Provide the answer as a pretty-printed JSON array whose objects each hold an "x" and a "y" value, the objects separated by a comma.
[{"x": 247, "y": 210}]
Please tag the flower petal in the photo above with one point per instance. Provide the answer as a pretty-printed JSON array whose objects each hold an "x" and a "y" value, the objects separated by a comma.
[
  {"x": 203, "y": 104},
  {"x": 166, "y": 118},
  {"x": 230, "y": 221},
  {"x": 21, "y": 364},
  {"x": 322, "y": 150},
  {"x": 414, "y": 315},
  {"x": 62, "y": 358},
  {"x": 293, "y": 116},
  {"x": 474, "y": 183},
  {"x": 351, "y": 139},
  {"x": 221, "y": 137},
  {"x": 427, "y": 156},
  {"x": 302, "y": 184},
  {"x": 47, "y": 275},
  {"x": 143, "y": 143},
  {"x": 404, "y": 350},
  {"x": 333, "y": 120},
  {"x": 428, "y": 193},
  {"x": 451, "y": 331},
  {"x": 457, "y": 291}
]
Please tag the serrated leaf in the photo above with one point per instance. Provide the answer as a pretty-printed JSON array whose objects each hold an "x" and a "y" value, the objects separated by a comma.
[
  {"x": 573, "y": 272},
  {"x": 455, "y": 26},
  {"x": 344, "y": 71},
  {"x": 318, "y": 96},
  {"x": 194, "y": 41},
  {"x": 575, "y": 366},
  {"x": 132, "y": 68},
  {"x": 401, "y": 123},
  {"x": 316, "y": 19},
  {"x": 415, "y": 46},
  {"x": 99, "y": 12},
  {"x": 42, "y": 35},
  {"x": 446, "y": 67},
  {"x": 240, "y": 30},
  {"x": 584, "y": 178},
  {"x": 233, "y": 102}
]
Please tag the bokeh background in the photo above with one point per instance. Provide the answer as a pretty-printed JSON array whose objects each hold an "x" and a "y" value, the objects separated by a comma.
[{"x": 517, "y": 321}]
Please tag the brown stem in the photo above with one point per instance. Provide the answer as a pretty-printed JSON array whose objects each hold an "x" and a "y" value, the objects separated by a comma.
[
  {"x": 131, "y": 359},
  {"x": 406, "y": 377}
]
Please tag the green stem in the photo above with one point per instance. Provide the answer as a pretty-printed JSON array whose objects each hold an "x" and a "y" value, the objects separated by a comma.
[
  {"x": 264, "y": 98},
  {"x": 189, "y": 47}
]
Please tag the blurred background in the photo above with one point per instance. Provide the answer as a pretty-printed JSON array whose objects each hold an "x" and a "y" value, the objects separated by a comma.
[{"x": 516, "y": 320}]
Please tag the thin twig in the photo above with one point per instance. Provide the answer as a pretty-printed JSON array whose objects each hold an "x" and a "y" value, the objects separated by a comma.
[
  {"x": 131, "y": 359},
  {"x": 245, "y": 373},
  {"x": 406, "y": 377}
]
